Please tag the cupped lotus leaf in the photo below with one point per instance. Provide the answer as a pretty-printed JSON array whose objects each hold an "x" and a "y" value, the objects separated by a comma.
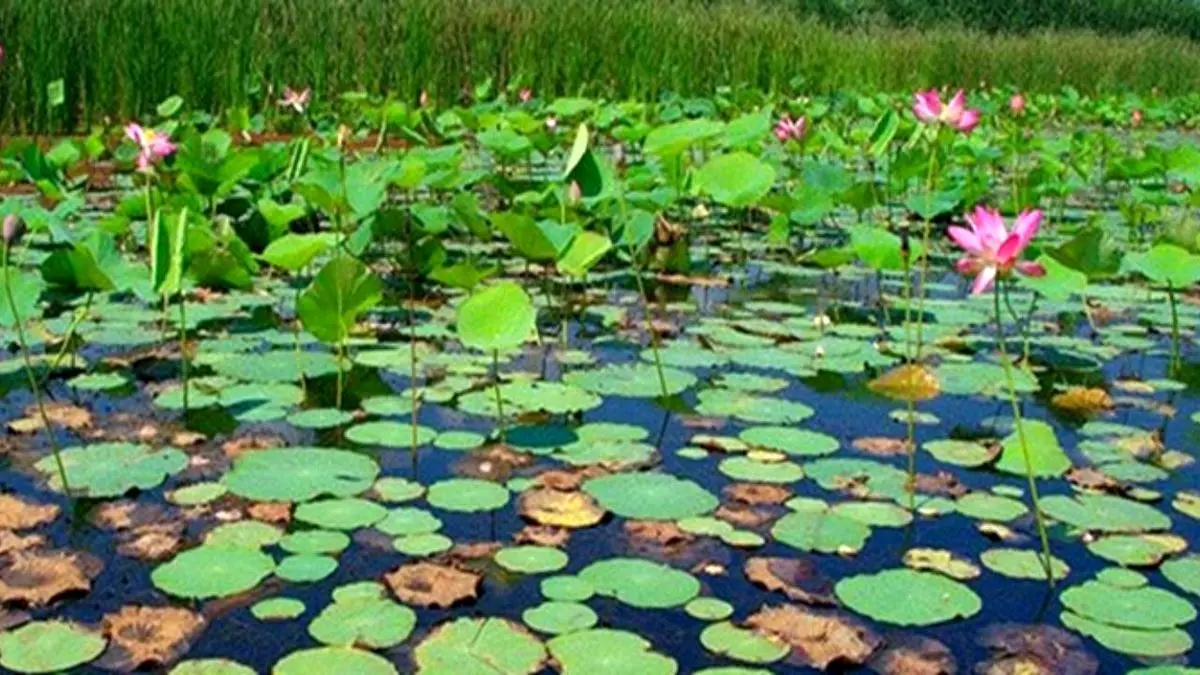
[
  {"x": 641, "y": 583},
  {"x": 343, "y": 290},
  {"x": 1143, "y": 608},
  {"x": 708, "y": 609},
  {"x": 961, "y": 453},
  {"x": 1104, "y": 513},
  {"x": 496, "y": 318},
  {"x": 350, "y": 513},
  {"x": 1137, "y": 549},
  {"x": 586, "y": 249},
  {"x": 1022, "y": 564},
  {"x": 305, "y": 567},
  {"x": 790, "y": 440},
  {"x": 738, "y": 179},
  {"x": 751, "y": 408},
  {"x": 988, "y": 506},
  {"x": 1184, "y": 573},
  {"x": 374, "y": 623},
  {"x": 531, "y": 559},
  {"x": 751, "y": 470},
  {"x": 251, "y": 534},
  {"x": 315, "y": 541},
  {"x": 319, "y": 418},
  {"x": 333, "y": 661},
  {"x": 467, "y": 495},
  {"x": 638, "y": 380},
  {"x": 408, "y": 521},
  {"x": 741, "y": 644},
  {"x": 49, "y": 647},
  {"x": 650, "y": 496},
  {"x": 277, "y": 609},
  {"x": 1046, "y": 457},
  {"x": 821, "y": 531},
  {"x": 1136, "y": 642},
  {"x": 483, "y": 646},
  {"x": 300, "y": 474},
  {"x": 560, "y": 618},
  {"x": 907, "y": 597},
  {"x": 112, "y": 469},
  {"x": 567, "y": 588},
  {"x": 211, "y": 667},
  {"x": 909, "y": 382},
  {"x": 609, "y": 651},
  {"x": 213, "y": 572}
]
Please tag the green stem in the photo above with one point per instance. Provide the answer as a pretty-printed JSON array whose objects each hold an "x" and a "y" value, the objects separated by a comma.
[
  {"x": 341, "y": 352},
  {"x": 1175, "y": 362},
  {"x": 1020, "y": 426},
  {"x": 183, "y": 360},
  {"x": 662, "y": 378},
  {"x": 928, "y": 227},
  {"x": 911, "y": 440},
  {"x": 33, "y": 381},
  {"x": 499, "y": 398},
  {"x": 296, "y": 340},
  {"x": 70, "y": 335}
]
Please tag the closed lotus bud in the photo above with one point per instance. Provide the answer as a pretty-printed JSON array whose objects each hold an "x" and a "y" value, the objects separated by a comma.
[
  {"x": 14, "y": 229},
  {"x": 574, "y": 194},
  {"x": 424, "y": 100}
]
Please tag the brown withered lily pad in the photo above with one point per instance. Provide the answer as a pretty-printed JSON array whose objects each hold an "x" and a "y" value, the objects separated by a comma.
[
  {"x": 543, "y": 535},
  {"x": 496, "y": 463},
  {"x": 236, "y": 447},
  {"x": 1090, "y": 478},
  {"x": 12, "y": 618},
  {"x": 559, "y": 479},
  {"x": 431, "y": 585},
  {"x": 797, "y": 578},
  {"x": 662, "y": 533},
  {"x": 148, "y": 637},
  {"x": 127, "y": 514},
  {"x": 11, "y": 541},
  {"x": 557, "y": 508},
  {"x": 941, "y": 560},
  {"x": 881, "y": 446},
  {"x": 913, "y": 655},
  {"x": 1083, "y": 401},
  {"x": 156, "y": 541},
  {"x": 756, "y": 493},
  {"x": 818, "y": 638},
  {"x": 748, "y": 516},
  {"x": 941, "y": 483},
  {"x": 36, "y": 578},
  {"x": 18, "y": 514},
  {"x": 1033, "y": 650},
  {"x": 61, "y": 414},
  {"x": 277, "y": 513}
]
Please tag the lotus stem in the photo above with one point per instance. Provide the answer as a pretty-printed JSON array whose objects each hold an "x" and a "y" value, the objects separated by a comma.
[
  {"x": 183, "y": 359},
  {"x": 70, "y": 335},
  {"x": 1020, "y": 427},
  {"x": 1175, "y": 359},
  {"x": 929, "y": 185},
  {"x": 296, "y": 340},
  {"x": 658, "y": 366},
  {"x": 499, "y": 398},
  {"x": 33, "y": 381}
]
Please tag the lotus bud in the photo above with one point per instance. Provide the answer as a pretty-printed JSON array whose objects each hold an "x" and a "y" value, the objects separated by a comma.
[
  {"x": 574, "y": 193},
  {"x": 14, "y": 229}
]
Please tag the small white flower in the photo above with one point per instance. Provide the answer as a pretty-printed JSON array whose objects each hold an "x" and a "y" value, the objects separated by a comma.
[
  {"x": 822, "y": 321},
  {"x": 818, "y": 352}
]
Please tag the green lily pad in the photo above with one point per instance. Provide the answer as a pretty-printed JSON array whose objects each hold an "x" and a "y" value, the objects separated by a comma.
[
  {"x": 373, "y": 623},
  {"x": 213, "y": 572},
  {"x": 408, "y": 521},
  {"x": 482, "y": 646},
  {"x": 420, "y": 545},
  {"x": 320, "y": 418},
  {"x": 873, "y": 514},
  {"x": 326, "y": 660},
  {"x": 211, "y": 667},
  {"x": 638, "y": 380},
  {"x": 277, "y": 609},
  {"x": 821, "y": 531},
  {"x": 1184, "y": 572},
  {"x": 607, "y": 650},
  {"x": 48, "y": 647},
  {"x": 790, "y": 440},
  {"x": 960, "y": 453},
  {"x": 559, "y": 618},
  {"x": 251, "y": 534},
  {"x": 459, "y": 440},
  {"x": 1148, "y": 643},
  {"x": 751, "y": 408},
  {"x": 390, "y": 489},
  {"x": 531, "y": 559},
  {"x": 305, "y": 568},
  {"x": 98, "y": 381},
  {"x": 988, "y": 506},
  {"x": 1046, "y": 457},
  {"x": 388, "y": 434},
  {"x": 349, "y": 513},
  {"x": 1144, "y": 608},
  {"x": 1104, "y": 513},
  {"x": 467, "y": 495},
  {"x": 754, "y": 471},
  {"x": 907, "y": 597},
  {"x": 1021, "y": 564},
  {"x": 197, "y": 494},
  {"x": 650, "y": 496},
  {"x": 1136, "y": 549},
  {"x": 315, "y": 542},
  {"x": 708, "y": 609},
  {"x": 567, "y": 588},
  {"x": 741, "y": 644},
  {"x": 112, "y": 469},
  {"x": 300, "y": 474},
  {"x": 641, "y": 583}
]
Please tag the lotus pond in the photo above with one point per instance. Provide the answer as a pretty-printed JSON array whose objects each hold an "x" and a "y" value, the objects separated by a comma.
[{"x": 725, "y": 386}]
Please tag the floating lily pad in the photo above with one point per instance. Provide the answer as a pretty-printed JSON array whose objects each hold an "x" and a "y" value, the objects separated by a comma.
[
  {"x": 99, "y": 381},
  {"x": 477, "y": 646},
  {"x": 606, "y": 650},
  {"x": 1045, "y": 456},
  {"x": 567, "y": 588},
  {"x": 1104, "y": 513},
  {"x": 988, "y": 506},
  {"x": 1021, "y": 564},
  {"x": 459, "y": 440},
  {"x": 558, "y": 618},
  {"x": 747, "y": 469},
  {"x": 350, "y": 513},
  {"x": 908, "y": 598},
  {"x": 277, "y": 609},
  {"x": 650, "y": 496},
  {"x": 1184, "y": 573},
  {"x": 333, "y": 660},
  {"x": 112, "y": 469},
  {"x": 300, "y": 474},
  {"x": 48, "y": 647},
  {"x": 197, "y": 494},
  {"x": 708, "y": 609},
  {"x": 961, "y": 453},
  {"x": 1137, "y": 549},
  {"x": 211, "y": 667},
  {"x": 641, "y": 583},
  {"x": 305, "y": 568},
  {"x": 213, "y": 572},
  {"x": 531, "y": 559},
  {"x": 467, "y": 495},
  {"x": 741, "y": 644},
  {"x": 1143, "y": 608},
  {"x": 630, "y": 380},
  {"x": 751, "y": 408},
  {"x": 409, "y": 521},
  {"x": 315, "y": 541},
  {"x": 320, "y": 418},
  {"x": 373, "y": 623},
  {"x": 250, "y": 534},
  {"x": 419, "y": 545},
  {"x": 388, "y": 434},
  {"x": 390, "y": 489},
  {"x": 821, "y": 531},
  {"x": 1136, "y": 642}
]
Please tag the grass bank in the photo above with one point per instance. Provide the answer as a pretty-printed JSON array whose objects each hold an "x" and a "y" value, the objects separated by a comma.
[{"x": 120, "y": 57}]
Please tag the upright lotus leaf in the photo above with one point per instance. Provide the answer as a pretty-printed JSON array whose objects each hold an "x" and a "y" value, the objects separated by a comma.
[
  {"x": 344, "y": 288},
  {"x": 279, "y": 217},
  {"x": 1046, "y": 457},
  {"x": 483, "y": 646},
  {"x": 167, "y": 236},
  {"x": 523, "y": 232},
  {"x": 496, "y": 318},
  {"x": 908, "y": 598},
  {"x": 737, "y": 180},
  {"x": 210, "y": 165},
  {"x": 294, "y": 252},
  {"x": 49, "y": 647},
  {"x": 91, "y": 264},
  {"x": 880, "y": 249},
  {"x": 1092, "y": 252},
  {"x": 582, "y": 168},
  {"x": 1166, "y": 265},
  {"x": 671, "y": 140},
  {"x": 1059, "y": 282},
  {"x": 586, "y": 249}
]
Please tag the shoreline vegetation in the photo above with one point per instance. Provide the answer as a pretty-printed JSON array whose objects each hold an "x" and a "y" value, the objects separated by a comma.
[{"x": 117, "y": 59}]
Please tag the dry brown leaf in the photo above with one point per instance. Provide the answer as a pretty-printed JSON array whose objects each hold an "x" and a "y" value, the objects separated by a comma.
[
  {"x": 881, "y": 446},
  {"x": 914, "y": 655},
  {"x": 1033, "y": 650},
  {"x": 11, "y": 541},
  {"x": 59, "y": 413},
  {"x": 747, "y": 515},
  {"x": 495, "y": 463},
  {"x": 946, "y": 562},
  {"x": 818, "y": 638},
  {"x": 1090, "y": 478},
  {"x": 35, "y": 578},
  {"x": 797, "y": 578},
  {"x": 151, "y": 542},
  {"x": 909, "y": 382},
  {"x": 941, "y": 483},
  {"x": 559, "y": 479},
  {"x": 756, "y": 493},
  {"x": 661, "y": 532},
  {"x": 148, "y": 637},
  {"x": 543, "y": 535},
  {"x": 271, "y": 512},
  {"x": 427, "y": 584},
  {"x": 1083, "y": 401},
  {"x": 557, "y": 508},
  {"x": 18, "y": 514}
]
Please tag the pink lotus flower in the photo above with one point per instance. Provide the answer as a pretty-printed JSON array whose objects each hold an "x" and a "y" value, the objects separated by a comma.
[
  {"x": 991, "y": 250},
  {"x": 1016, "y": 104},
  {"x": 526, "y": 95},
  {"x": 152, "y": 145},
  {"x": 928, "y": 108},
  {"x": 296, "y": 100},
  {"x": 1135, "y": 118},
  {"x": 788, "y": 129}
]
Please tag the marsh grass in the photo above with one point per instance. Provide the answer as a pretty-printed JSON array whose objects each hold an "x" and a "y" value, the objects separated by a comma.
[{"x": 119, "y": 58}]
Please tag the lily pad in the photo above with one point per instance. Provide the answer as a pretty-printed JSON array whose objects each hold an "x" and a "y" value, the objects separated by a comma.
[
  {"x": 531, "y": 559},
  {"x": 300, "y": 474},
  {"x": 213, "y": 572},
  {"x": 607, "y": 650},
  {"x": 483, "y": 646},
  {"x": 305, "y": 568},
  {"x": 1046, "y": 457},
  {"x": 1184, "y": 573},
  {"x": 1021, "y": 564},
  {"x": 558, "y": 618},
  {"x": 821, "y": 531},
  {"x": 1143, "y": 608},
  {"x": 48, "y": 647},
  {"x": 961, "y": 453},
  {"x": 467, "y": 495},
  {"x": 1104, "y": 513},
  {"x": 650, "y": 496},
  {"x": 373, "y": 623},
  {"x": 277, "y": 609},
  {"x": 112, "y": 469},
  {"x": 747, "y": 469},
  {"x": 907, "y": 597},
  {"x": 630, "y": 380},
  {"x": 333, "y": 660},
  {"x": 791, "y": 440},
  {"x": 741, "y": 644},
  {"x": 388, "y": 434},
  {"x": 1136, "y": 642},
  {"x": 350, "y": 513},
  {"x": 641, "y": 583}
]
